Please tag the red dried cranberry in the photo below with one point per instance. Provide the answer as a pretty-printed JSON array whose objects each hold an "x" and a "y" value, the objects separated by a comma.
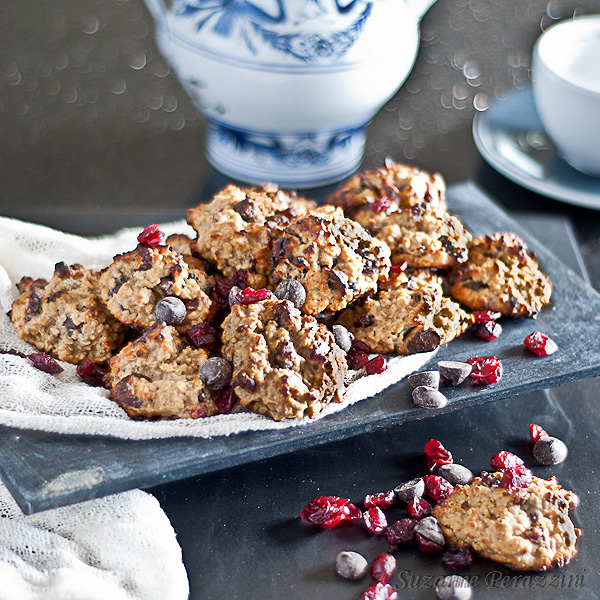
[
  {"x": 44, "y": 362},
  {"x": 382, "y": 499},
  {"x": 375, "y": 520},
  {"x": 427, "y": 546},
  {"x": 91, "y": 373},
  {"x": 352, "y": 512},
  {"x": 224, "y": 400},
  {"x": 419, "y": 508},
  {"x": 400, "y": 532},
  {"x": 399, "y": 267},
  {"x": 13, "y": 352},
  {"x": 437, "y": 487},
  {"x": 381, "y": 205},
  {"x": 536, "y": 432},
  {"x": 239, "y": 279},
  {"x": 485, "y": 316},
  {"x": 488, "y": 331},
  {"x": 437, "y": 455},
  {"x": 518, "y": 476},
  {"x": 251, "y": 296},
  {"x": 202, "y": 335},
  {"x": 379, "y": 591},
  {"x": 357, "y": 360},
  {"x": 151, "y": 236},
  {"x": 326, "y": 511},
  {"x": 540, "y": 343},
  {"x": 486, "y": 370},
  {"x": 457, "y": 558},
  {"x": 382, "y": 567},
  {"x": 376, "y": 365},
  {"x": 359, "y": 346},
  {"x": 504, "y": 460}
]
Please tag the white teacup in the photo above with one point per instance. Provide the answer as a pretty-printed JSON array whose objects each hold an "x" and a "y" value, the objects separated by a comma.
[{"x": 566, "y": 89}]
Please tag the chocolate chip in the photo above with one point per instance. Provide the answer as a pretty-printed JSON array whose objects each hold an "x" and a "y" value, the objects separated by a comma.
[
  {"x": 233, "y": 292},
  {"x": 338, "y": 281},
  {"x": 454, "y": 587},
  {"x": 429, "y": 528},
  {"x": 247, "y": 209},
  {"x": 454, "y": 371},
  {"x": 428, "y": 397},
  {"x": 415, "y": 488},
  {"x": 351, "y": 565},
  {"x": 170, "y": 310},
  {"x": 423, "y": 341},
  {"x": 216, "y": 373},
  {"x": 292, "y": 290},
  {"x": 456, "y": 474},
  {"x": 343, "y": 337},
  {"x": 549, "y": 450},
  {"x": 427, "y": 378}
]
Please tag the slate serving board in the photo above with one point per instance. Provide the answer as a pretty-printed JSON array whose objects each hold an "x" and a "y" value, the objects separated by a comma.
[{"x": 44, "y": 470}]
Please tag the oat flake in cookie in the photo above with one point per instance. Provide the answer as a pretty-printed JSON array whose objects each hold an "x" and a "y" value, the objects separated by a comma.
[
  {"x": 136, "y": 281},
  {"x": 157, "y": 375},
  {"x": 523, "y": 528},
  {"x": 333, "y": 257},
  {"x": 65, "y": 316},
  {"x": 500, "y": 275},
  {"x": 285, "y": 364}
]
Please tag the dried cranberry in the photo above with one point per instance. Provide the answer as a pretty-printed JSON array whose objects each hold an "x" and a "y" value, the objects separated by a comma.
[
  {"x": 400, "y": 532},
  {"x": 202, "y": 335},
  {"x": 352, "y": 512},
  {"x": 91, "y": 373},
  {"x": 486, "y": 370},
  {"x": 488, "y": 331},
  {"x": 427, "y": 546},
  {"x": 379, "y": 591},
  {"x": 540, "y": 343},
  {"x": 326, "y": 511},
  {"x": 381, "y": 205},
  {"x": 457, "y": 558},
  {"x": 151, "y": 236},
  {"x": 251, "y": 296},
  {"x": 359, "y": 346},
  {"x": 437, "y": 455},
  {"x": 375, "y": 520},
  {"x": 239, "y": 279},
  {"x": 399, "y": 267},
  {"x": 224, "y": 401},
  {"x": 437, "y": 487},
  {"x": 504, "y": 460},
  {"x": 356, "y": 359},
  {"x": 44, "y": 362},
  {"x": 485, "y": 316},
  {"x": 381, "y": 499},
  {"x": 376, "y": 365},
  {"x": 536, "y": 432},
  {"x": 13, "y": 353},
  {"x": 382, "y": 567},
  {"x": 419, "y": 508},
  {"x": 518, "y": 476}
]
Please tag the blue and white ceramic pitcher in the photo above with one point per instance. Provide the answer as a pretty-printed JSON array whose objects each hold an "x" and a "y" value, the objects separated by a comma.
[{"x": 288, "y": 86}]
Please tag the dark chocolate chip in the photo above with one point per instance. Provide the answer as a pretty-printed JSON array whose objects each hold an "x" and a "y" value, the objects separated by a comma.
[
  {"x": 428, "y": 397},
  {"x": 456, "y": 474},
  {"x": 292, "y": 290},
  {"x": 170, "y": 310},
  {"x": 233, "y": 292},
  {"x": 343, "y": 337},
  {"x": 549, "y": 450},
  {"x": 454, "y": 587},
  {"x": 454, "y": 371},
  {"x": 248, "y": 210},
  {"x": 351, "y": 565},
  {"x": 423, "y": 341},
  {"x": 429, "y": 528},
  {"x": 426, "y": 378},
  {"x": 415, "y": 488},
  {"x": 215, "y": 373}
]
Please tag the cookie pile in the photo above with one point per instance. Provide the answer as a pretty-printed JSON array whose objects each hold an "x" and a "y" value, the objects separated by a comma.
[{"x": 260, "y": 309}]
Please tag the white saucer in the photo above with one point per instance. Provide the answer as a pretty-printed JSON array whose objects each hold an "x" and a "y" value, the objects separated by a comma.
[{"x": 510, "y": 137}]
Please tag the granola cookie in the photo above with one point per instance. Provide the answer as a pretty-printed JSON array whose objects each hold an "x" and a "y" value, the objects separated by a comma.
[
  {"x": 501, "y": 275},
  {"x": 136, "y": 281},
  {"x": 235, "y": 228},
  {"x": 524, "y": 528},
  {"x": 285, "y": 364},
  {"x": 410, "y": 314},
  {"x": 157, "y": 376},
  {"x": 65, "y": 316},
  {"x": 333, "y": 257},
  {"x": 180, "y": 243},
  {"x": 390, "y": 188}
]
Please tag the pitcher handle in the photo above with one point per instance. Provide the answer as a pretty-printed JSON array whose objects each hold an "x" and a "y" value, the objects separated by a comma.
[{"x": 418, "y": 7}]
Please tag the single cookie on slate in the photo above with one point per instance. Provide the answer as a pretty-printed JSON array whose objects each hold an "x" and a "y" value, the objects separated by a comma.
[
  {"x": 409, "y": 315},
  {"x": 389, "y": 188},
  {"x": 66, "y": 317},
  {"x": 136, "y": 281},
  {"x": 523, "y": 528},
  {"x": 500, "y": 275},
  {"x": 158, "y": 375},
  {"x": 333, "y": 257},
  {"x": 285, "y": 364},
  {"x": 235, "y": 228}
]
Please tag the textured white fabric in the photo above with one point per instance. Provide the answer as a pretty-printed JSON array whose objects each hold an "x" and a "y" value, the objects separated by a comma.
[
  {"x": 116, "y": 548},
  {"x": 61, "y": 403}
]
